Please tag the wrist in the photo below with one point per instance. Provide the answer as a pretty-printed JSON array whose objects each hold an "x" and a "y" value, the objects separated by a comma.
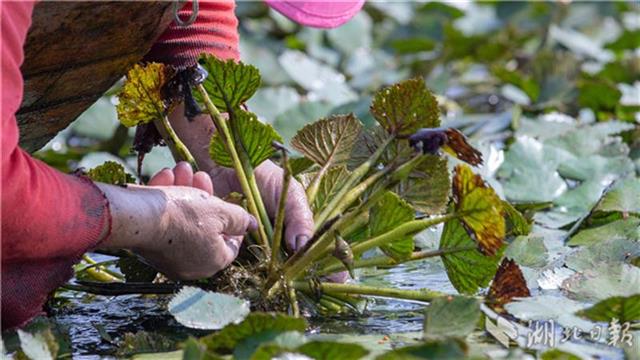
[{"x": 137, "y": 216}]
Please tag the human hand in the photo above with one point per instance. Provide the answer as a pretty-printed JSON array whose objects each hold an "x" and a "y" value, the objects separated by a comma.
[
  {"x": 183, "y": 231},
  {"x": 196, "y": 134}
]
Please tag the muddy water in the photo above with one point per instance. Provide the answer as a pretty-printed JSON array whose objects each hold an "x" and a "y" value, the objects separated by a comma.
[{"x": 91, "y": 321}]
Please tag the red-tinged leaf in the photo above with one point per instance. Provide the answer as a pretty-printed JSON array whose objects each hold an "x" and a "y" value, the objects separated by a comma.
[{"x": 508, "y": 283}]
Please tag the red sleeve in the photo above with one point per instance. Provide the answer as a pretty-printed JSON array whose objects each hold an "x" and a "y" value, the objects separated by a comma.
[
  {"x": 49, "y": 219},
  {"x": 215, "y": 31}
]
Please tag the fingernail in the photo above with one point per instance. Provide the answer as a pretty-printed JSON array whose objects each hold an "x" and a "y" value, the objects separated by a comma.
[
  {"x": 253, "y": 223},
  {"x": 301, "y": 241}
]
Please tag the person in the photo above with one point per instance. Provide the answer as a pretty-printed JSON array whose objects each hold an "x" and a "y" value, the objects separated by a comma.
[{"x": 178, "y": 222}]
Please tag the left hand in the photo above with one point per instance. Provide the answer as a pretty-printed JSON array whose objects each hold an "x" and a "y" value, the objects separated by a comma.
[{"x": 298, "y": 222}]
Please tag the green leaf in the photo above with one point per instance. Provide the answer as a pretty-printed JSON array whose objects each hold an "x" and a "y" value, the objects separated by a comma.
[
  {"x": 199, "y": 309},
  {"x": 604, "y": 280},
  {"x": 140, "y": 100},
  {"x": 256, "y": 323},
  {"x": 143, "y": 342},
  {"x": 389, "y": 213},
  {"x": 467, "y": 270},
  {"x": 621, "y": 229},
  {"x": 111, "y": 173},
  {"x": 300, "y": 165},
  {"x": 405, "y": 107},
  {"x": 625, "y": 309},
  {"x": 516, "y": 222},
  {"x": 136, "y": 271},
  {"x": 454, "y": 316},
  {"x": 194, "y": 350},
  {"x": 556, "y": 354},
  {"x": 630, "y": 39},
  {"x": 447, "y": 349},
  {"x": 255, "y": 137},
  {"x": 427, "y": 187},
  {"x": 229, "y": 83},
  {"x": 528, "y": 251},
  {"x": 412, "y": 45},
  {"x": 481, "y": 209},
  {"x": 330, "y": 184},
  {"x": 327, "y": 350},
  {"x": 328, "y": 141},
  {"x": 624, "y": 197}
]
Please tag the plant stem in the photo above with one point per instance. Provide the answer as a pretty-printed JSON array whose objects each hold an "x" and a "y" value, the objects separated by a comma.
[
  {"x": 333, "y": 288},
  {"x": 312, "y": 189},
  {"x": 222, "y": 128},
  {"x": 99, "y": 272},
  {"x": 406, "y": 229},
  {"x": 293, "y": 300},
  {"x": 384, "y": 260},
  {"x": 279, "y": 223},
  {"x": 355, "y": 176},
  {"x": 178, "y": 149}
]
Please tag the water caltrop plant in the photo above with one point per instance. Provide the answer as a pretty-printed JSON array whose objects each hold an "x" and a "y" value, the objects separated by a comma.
[{"x": 371, "y": 189}]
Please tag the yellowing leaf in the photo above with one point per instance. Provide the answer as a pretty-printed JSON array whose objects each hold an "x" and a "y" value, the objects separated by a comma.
[
  {"x": 481, "y": 209},
  {"x": 328, "y": 141},
  {"x": 140, "y": 100},
  {"x": 229, "y": 83},
  {"x": 405, "y": 107},
  {"x": 111, "y": 173},
  {"x": 255, "y": 138}
]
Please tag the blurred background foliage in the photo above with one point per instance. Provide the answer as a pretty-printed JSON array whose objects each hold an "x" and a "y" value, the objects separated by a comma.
[{"x": 494, "y": 66}]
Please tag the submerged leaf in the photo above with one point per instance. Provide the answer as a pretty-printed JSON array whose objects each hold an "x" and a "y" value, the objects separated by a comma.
[
  {"x": 405, "y": 107},
  {"x": 255, "y": 324},
  {"x": 111, "y": 173},
  {"x": 508, "y": 283},
  {"x": 255, "y": 137},
  {"x": 229, "y": 83},
  {"x": 481, "y": 209},
  {"x": 427, "y": 187},
  {"x": 141, "y": 100},
  {"x": 328, "y": 141},
  {"x": 199, "y": 309},
  {"x": 624, "y": 197},
  {"x": 617, "y": 230},
  {"x": 446, "y": 349},
  {"x": 625, "y": 309},
  {"x": 455, "y": 316},
  {"x": 467, "y": 270},
  {"x": 320, "y": 350},
  {"x": 528, "y": 251},
  {"x": 389, "y": 213}
]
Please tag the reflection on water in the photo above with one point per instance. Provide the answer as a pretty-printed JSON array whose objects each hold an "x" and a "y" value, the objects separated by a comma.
[{"x": 117, "y": 315}]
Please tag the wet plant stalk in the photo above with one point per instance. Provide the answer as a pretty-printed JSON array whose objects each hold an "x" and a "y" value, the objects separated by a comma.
[
  {"x": 406, "y": 229},
  {"x": 293, "y": 300},
  {"x": 99, "y": 272},
  {"x": 355, "y": 176},
  {"x": 383, "y": 260},
  {"x": 178, "y": 149},
  {"x": 333, "y": 288},
  {"x": 279, "y": 223},
  {"x": 221, "y": 126}
]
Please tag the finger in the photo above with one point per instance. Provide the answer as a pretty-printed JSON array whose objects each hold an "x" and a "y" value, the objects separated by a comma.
[
  {"x": 183, "y": 174},
  {"x": 229, "y": 252},
  {"x": 339, "y": 277},
  {"x": 202, "y": 181},
  {"x": 236, "y": 220},
  {"x": 163, "y": 178},
  {"x": 298, "y": 218}
]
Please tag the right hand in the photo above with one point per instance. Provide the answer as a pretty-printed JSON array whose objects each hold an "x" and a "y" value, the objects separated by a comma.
[{"x": 182, "y": 231}]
